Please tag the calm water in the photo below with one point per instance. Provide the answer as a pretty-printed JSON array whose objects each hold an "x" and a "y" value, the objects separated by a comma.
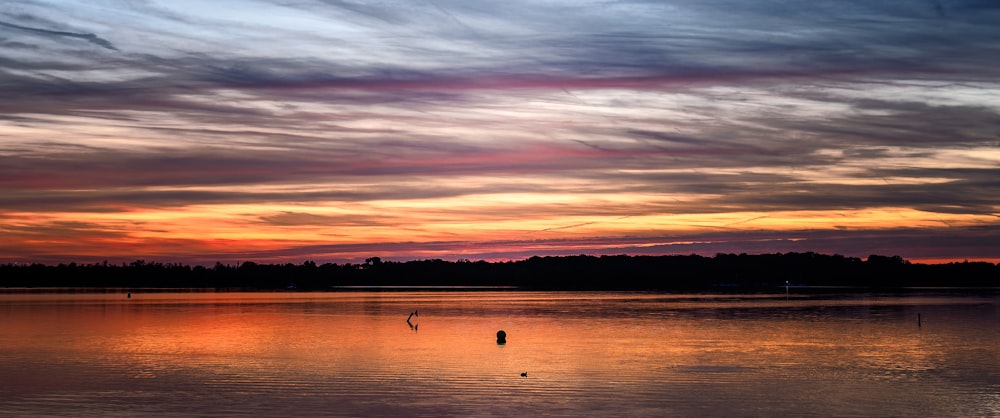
[{"x": 596, "y": 354}]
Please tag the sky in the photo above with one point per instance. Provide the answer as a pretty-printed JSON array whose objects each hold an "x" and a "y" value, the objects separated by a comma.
[{"x": 195, "y": 131}]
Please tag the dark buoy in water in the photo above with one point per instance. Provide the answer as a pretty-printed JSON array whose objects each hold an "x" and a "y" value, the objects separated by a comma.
[
  {"x": 501, "y": 337},
  {"x": 129, "y": 295},
  {"x": 525, "y": 374}
]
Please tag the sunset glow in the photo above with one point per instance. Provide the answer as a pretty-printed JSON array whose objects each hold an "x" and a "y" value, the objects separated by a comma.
[{"x": 273, "y": 131}]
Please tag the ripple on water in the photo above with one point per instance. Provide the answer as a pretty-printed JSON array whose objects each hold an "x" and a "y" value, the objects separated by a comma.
[{"x": 585, "y": 354}]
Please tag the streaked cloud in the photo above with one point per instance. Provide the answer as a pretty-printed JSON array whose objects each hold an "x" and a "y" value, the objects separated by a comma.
[{"x": 326, "y": 129}]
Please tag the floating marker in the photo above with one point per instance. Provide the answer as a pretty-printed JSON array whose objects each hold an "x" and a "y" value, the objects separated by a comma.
[{"x": 501, "y": 337}]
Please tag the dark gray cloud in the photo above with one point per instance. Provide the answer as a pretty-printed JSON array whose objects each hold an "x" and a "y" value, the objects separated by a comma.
[
  {"x": 885, "y": 123},
  {"x": 89, "y": 37},
  {"x": 964, "y": 195}
]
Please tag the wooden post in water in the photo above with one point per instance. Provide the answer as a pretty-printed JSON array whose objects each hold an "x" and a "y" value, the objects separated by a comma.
[{"x": 919, "y": 322}]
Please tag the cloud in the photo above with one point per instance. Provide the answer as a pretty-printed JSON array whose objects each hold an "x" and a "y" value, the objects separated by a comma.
[
  {"x": 911, "y": 243},
  {"x": 89, "y": 37},
  {"x": 970, "y": 193},
  {"x": 404, "y": 115}
]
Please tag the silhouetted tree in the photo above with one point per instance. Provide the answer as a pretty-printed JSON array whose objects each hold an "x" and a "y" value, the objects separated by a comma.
[{"x": 739, "y": 272}]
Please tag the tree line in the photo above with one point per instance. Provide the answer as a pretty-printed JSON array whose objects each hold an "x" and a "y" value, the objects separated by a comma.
[{"x": 582, "y": 272}]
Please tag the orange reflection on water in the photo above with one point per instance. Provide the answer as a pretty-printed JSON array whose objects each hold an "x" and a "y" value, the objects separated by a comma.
[{"x": 583, "y": 352}]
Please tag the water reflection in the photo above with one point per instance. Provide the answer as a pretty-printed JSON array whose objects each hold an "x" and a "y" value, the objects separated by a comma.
[{"x": 630, "y": 354}]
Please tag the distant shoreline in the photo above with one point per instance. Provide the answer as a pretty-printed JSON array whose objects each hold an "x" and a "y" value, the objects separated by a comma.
[{"x": 727, "y": 273}]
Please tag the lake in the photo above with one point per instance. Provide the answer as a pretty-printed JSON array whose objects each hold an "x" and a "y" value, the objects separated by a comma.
[{"x": 353, "y": 353}]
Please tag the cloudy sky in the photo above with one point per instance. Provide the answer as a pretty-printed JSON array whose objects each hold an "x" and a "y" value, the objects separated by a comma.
[{"x": 334, "y": 130}]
